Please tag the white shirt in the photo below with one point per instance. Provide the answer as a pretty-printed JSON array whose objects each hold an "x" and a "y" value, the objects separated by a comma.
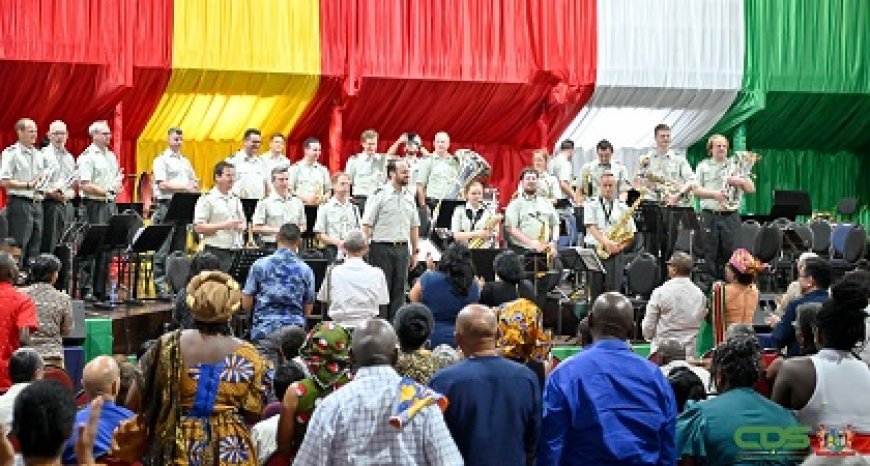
[
  {"x": 250, "y": 175},
  {"x": 173, "y": 167},
  {"x": 356, "y": 290},
  {"x": 675, "y": 310},
  {"x": 604, "y": 214},
  {"x": 263, "y": 435},
  {"x": 837, "y": 401},
  {"x": 7, "y": 402}
]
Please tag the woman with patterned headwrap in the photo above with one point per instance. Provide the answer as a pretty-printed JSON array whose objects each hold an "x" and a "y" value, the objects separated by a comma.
[
  {"x": 326, "y": 352},
  {"x": 201, "y": 386},
  {"x": 736, "y": 301},
  {"x": 521, "y": 336}
]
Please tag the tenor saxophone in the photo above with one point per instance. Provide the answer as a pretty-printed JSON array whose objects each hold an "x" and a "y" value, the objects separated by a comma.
[{"x": 619, "y": 231}]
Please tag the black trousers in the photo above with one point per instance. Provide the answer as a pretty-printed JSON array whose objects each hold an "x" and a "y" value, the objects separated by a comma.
[
  {"x": 720, "y": 230},
  {"x": 56, "y": 218},
  {"x": 25, "y": 225},
  {"x": 99, "y": 213},
  {"x": 612, "y": 280},
  {"x": 393, "y": 260},
  {"x": 174, "y": 242}
]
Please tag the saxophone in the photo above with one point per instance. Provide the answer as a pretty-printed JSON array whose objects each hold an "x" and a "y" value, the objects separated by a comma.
[
  {"x": 544, "y": 238},
  {"x": 477, "y": 243},
  {"x": 619, "y": 231}
]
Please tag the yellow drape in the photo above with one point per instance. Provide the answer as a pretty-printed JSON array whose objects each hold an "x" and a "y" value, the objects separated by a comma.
[{"x": 236, "y": 65}]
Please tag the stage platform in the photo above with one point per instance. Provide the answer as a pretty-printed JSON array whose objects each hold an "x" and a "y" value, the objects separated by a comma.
[{"x": 123, "y": 330}]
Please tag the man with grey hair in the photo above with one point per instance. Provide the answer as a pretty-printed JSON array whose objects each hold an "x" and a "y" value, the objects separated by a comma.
[
  {"x": 57, "y": 210},
  {"x": 672, "y": 354},
  {"x": 23, "y": 174},
  {"x": 25, "y": 367},
  {"x": 278, "y": 208},
  {"x": 676, "y": 308},
  {"x": 354, "y": 290},
  {"x": 172, "y": 173},
  {"x": 100, "y": 180}
]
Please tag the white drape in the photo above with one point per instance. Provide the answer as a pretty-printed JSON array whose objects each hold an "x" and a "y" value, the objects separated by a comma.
[{"x": 678, "y": 62}]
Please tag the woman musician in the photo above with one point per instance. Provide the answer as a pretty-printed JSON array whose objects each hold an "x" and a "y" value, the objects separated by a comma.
[
  {"x": 548, "y": 185},
  {"x": 473, "y": 223}
]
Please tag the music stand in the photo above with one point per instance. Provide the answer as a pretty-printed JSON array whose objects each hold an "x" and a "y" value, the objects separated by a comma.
[
  {"x": 181, "y": 208},
  {"x": 800, "y": 200},
  {"x": 443, "y": 215},
  {"x": 360, "y": 202},
  {"x": 688, "y": 220},
  {"x": 117, "y": 239},
  {"x": 483, "y": 259},
  {"x": 89, "y": 248},
  {"x": 132, "y": 206},
  {"x": 310, "y": 220},
  {"x": 242, "y": 262},
  {"x": 149, "y": 239}
]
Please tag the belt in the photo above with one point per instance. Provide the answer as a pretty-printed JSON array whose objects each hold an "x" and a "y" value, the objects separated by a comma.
[
  {"x": 26, "y": 199},
  {"x": 391, "y": 243},
  {"x": 97, "y": 201},
  {"x": 720, "y": 212}
]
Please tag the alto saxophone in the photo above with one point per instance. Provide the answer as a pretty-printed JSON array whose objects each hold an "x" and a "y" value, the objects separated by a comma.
[
  {"x": 619, "y": 231},
  {"x": 477, "y": 243}
]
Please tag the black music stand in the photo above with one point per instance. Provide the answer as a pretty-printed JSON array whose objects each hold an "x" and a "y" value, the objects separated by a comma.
[
  {"x": 792, "y": 203},
  {"x": 242, "y": 262},
  {"x": 248, "y": 207},
  {"x": 116, "y": 241},
  {"x": 88, "y": 250},
  {"x": 310, "y": 220},
  {"x": 360, "y": 202},
  {"x": 148, "y": 240},
  {"x": 443, "y": 214},
  {"x": 483, "y": 259},
  {"x": 687, "y": 219},
  {"x": 181, "y": 208}
]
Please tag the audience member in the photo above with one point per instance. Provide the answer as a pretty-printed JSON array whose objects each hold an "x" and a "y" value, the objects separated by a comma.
[
  {"x": 815, "y": 281},
  {"x": 201, "y": 386},
  {"x": 264, "y": 432},
  {"x": 676, "y": 308},
  {"x": 44, "y": 415},
  {"x": 793, "y": 291},
  {"x": 101, "y": 378},
  {"x": 354, "y": 290},
  {"x": 510, "y": 283},
  {"x": 19, "y": 317},
  {"x": 494, "y": 413},
  {"x": 741, "y": 294},
  {"x": 326, "y": 352},
  {"x": 351, "y": 425},
  {"x": 687, "y": 386},
  {"x": 804, "y": 334},
  {"x": 672, "y": 354},
  {"x": 522, "y": 338},
  {"x": 283, "y": 345},
  {"x": 608, "y": 405},
  {"x": 447, "y": 290},
  {"x": 827, "y": 390},
  {"x": 705, "y": 430},
  {"x": 25, "y": 367},
  {"x": 280, "y": 287},
  {"x": 201, "y": 262},
  {"x": 129, "y": 373},
  {"x": 413, "y": 325},
  {"x": 53, "y": 308},
  {"x": 584, "y": 336}
]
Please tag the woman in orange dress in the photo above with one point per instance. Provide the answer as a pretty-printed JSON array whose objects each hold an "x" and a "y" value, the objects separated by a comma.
[{"x": 736, "y": 301}]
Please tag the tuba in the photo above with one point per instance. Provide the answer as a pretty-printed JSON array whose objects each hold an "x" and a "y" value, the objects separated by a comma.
[
  {"x": 472, "y": 167},
  {"x": 743, "y": 163}
]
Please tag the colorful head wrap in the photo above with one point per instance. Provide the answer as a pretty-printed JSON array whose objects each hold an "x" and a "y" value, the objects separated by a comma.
[
  {"x": 326, "y": 351},
  {"x": 521, "y": 334},
  {"x": 744, "y": 262}
]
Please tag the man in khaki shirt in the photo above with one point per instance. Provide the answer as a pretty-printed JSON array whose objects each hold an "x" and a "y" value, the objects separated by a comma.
[
  {"x": 278, "y": 208},
  {"x": 391, "y": 221},
  {"x": 600, "y": 214},
  {"x": 58, "y": 212},
  {"x": 22, "y": 172},
  {"x": 219, "y": 217},
  {"x": 309, "y": 180},
  {"x": 589, "y": 181},
  {"x": 252, "y": 180},
  {"x": 414, "y": 152},
  {"x": 337, "y": 217},
  {"x": 531, "y": 221},
  {"x": 367, "y": 170},
  {"x": 275, "y": 157},
  {"x": 438, "y": 173},
  {"x": 172, "y": 173},
  {"x": 562, "y": 168},
  {"x": 663, "y": 163}
]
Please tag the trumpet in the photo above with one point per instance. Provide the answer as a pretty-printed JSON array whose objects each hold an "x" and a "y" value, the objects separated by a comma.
[{"x": 251, "y": 243}]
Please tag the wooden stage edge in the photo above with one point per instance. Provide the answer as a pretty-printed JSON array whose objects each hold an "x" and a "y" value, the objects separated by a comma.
[{"x": 132, "y": 324}]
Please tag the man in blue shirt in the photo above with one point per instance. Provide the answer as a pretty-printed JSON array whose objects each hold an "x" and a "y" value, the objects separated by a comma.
[
  {"x": 607, "y": 405},
  {"x": 280, "y": 287},
  {"x": 101, "y": 377},
  {"x": 814, "y": 281},
  {"x": 494, "y": 413}
]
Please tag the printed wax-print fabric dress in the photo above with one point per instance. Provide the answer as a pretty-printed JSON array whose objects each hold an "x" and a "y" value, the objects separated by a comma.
[{"x": 213, "y": 398}]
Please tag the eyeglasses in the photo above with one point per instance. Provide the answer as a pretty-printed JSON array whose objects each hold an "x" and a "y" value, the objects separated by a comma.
[
  {"x": 58, "y": 133},
  {"x": 106, "y": 133}
]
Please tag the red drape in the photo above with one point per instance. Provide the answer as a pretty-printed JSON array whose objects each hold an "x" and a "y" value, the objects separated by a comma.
[
  {"x": 491, "y": 74},
  {"x": 76, "y": 61}
]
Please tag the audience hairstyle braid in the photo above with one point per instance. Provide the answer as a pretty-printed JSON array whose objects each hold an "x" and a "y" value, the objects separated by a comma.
[
  {"x": 457, "y": 265},
  {"x": 841, "y": 319},
  {"x": 735, "y": 362}
]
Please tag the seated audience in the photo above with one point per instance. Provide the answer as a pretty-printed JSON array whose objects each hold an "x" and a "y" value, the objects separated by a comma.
[
  {"x": 676, "y": 308},
  {"x": 608, "y": 405},
  {"x": 354, "y": 290},
  {"x": 44, "y": 416},
  {"x": 793, "y": 291},
  {"x": 413, "y": 325},
  {"x": 25, "y": 367},
  {"x": 672, "y": 354},
  {"x": 201, "y": 262},
  {"x": 352, "y": 425},
  {"x": 521, "y": 336},
  {"x": 447, "y": 290},
  {"x": 326, "y": 352},
  {"x": 828, "y": 390},
  {"x": 686, "y": 385},
  {"x": 494, "y": 413},
  {"x": 263, "y": 433},
  {"x": 201, "y": 386},
  {"x": 510, "y": 283},
  {"x": 53, "y": 308},
  {"x": 815, "y": 281},
  {"x": 740, "y": 294},
  {"x": 863, "y": 276},
  {"x": 283, "y": 345},
  {"x": 129, "y": 372},
  {"x": 19, "y": 320},
  {"x": 101, "y": 378},
  {"x": 804, "y": 334},
  {"x": 705, "y": 430}
]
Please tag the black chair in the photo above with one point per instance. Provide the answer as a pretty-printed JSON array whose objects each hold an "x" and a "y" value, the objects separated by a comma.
[
  {"x": 806, "y": 235},
  {"x": 641, "y": 279},
  {"x": 746, "y": 236},
  {"x": 821, "y": 237},
  {"x": 767, "y": 248},
  {"x": 177, "y": 269},
  {"x": 847, "y": 206}
]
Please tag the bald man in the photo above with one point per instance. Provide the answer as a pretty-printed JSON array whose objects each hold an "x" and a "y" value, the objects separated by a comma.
[
  {"x": 19, "y": 317},
  {"x": 101, "y": 378},
  {"x": 346, "y": 419},
  {"x": 607, "y": 405},
  {"x": 495, "y": 404}
]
